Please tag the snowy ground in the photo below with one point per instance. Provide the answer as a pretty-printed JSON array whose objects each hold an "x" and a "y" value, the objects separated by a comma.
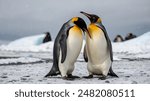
[
  {"x": 30, "y": 68},
  {"x": 27, "y": 60}
]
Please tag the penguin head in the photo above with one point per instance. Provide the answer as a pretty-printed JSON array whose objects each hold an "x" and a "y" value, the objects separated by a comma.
[
  {"x": 93, "y": 18},
  {"x": 80, "y": 23}
]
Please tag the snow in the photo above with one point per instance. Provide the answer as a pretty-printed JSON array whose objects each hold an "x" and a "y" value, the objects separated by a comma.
[
  {"x": 27, "y": 60},
  {"x": 129, "y": 72},
  {"x": 31, "y": 43},
  {"x": 140, "y": 44},
  {"x": 28, "y": 41},
  {"x": 19, "y": 60}
]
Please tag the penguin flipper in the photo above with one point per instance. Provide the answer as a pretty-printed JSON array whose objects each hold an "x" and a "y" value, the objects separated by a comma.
[
  {"x": 63, "y": 46},
  {"x": 85, "y": 54},
  {"x": 111, "y": 73}
]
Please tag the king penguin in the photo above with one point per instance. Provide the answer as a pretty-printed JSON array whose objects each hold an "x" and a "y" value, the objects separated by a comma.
[
  {"x": 98, "y": 49},
  {"x": 67, "y": 47}
]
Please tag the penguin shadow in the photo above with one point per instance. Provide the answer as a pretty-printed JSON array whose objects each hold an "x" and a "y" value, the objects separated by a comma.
[
  {"x": 100, "y": 77},
  {"x": 80, "y": 78},
  {"x": 59, "y": 77}
]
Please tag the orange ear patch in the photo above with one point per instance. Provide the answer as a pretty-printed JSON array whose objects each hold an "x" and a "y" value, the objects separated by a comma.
[{"x": 74, "y": 19}]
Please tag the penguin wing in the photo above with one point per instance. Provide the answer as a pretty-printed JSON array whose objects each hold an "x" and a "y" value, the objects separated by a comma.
[
  {"x": 63, "y": 40},
  {"x": 63, "y": 46},
  {"x": 85, "y": 54},
  {"x": 108, "y": 40}
]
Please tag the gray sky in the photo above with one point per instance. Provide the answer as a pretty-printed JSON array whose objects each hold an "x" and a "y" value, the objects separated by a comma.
[{"x": 19, "y": 18}]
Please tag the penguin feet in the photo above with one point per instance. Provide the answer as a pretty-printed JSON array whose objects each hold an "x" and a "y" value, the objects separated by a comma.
[
  {"x": 88, "y": 77},
  {"x": 72, "y": 76},
  {"x": 103, "y": 77},
  {"x": 67, "y": 78}
]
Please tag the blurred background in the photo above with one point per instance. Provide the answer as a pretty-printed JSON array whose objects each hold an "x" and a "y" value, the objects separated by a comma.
[{"x": 20, "y": 18}]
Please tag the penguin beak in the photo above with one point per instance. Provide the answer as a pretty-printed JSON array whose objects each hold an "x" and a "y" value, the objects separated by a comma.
[{"x": 87, "y": 15}]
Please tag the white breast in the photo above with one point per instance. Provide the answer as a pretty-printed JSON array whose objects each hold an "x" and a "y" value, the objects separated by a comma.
[
  {"x": 97, "y": 47},
  {"x": 74, "y": 45}
]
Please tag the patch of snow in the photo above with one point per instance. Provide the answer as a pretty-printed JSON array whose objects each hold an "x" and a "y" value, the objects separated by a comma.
[
  {"x": 28, "y": 44},
  {"x": 28, "y": 41},
  {"x": 19, "y": 60},
  {"x": 116, "y": 58},
  {"x": 140, "y": 44},
  {"x": 46, "y": 47},
  {"x": 145, "y": 55}
]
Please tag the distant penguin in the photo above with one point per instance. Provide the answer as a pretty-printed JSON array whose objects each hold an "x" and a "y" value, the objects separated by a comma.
[
  {"x": 118, "y": 38},
  {"x": 67, "y": 47},
  {"x": 130, "y": 36},
  {"x": 98, "y": 49},
  {"x": 47, "y": 37}
]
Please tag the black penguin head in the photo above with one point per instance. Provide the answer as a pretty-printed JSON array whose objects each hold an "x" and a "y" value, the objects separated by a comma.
[
  {"x": 93, "y": 18},
  {"x": 80, "y": 23}
]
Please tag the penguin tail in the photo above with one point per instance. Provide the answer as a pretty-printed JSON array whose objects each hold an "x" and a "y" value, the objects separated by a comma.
[
  {"x": 111, "y": 73},
  {"x": 53, "y": 72}
]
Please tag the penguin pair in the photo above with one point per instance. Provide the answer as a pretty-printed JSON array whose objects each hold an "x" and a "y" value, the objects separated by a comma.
[{"x": 68, "y": 44}]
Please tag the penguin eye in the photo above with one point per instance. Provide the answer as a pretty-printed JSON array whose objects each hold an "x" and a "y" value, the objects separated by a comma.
[{"x": 94, "y": 18}]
